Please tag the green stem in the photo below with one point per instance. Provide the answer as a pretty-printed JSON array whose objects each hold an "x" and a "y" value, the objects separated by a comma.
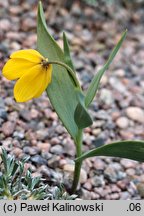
[
  {"x": 77, "y": 164},
  {"x": 8, "y": 194},
  {"x": 80, "y": 131},
  {"x": 71, "y": 72}
]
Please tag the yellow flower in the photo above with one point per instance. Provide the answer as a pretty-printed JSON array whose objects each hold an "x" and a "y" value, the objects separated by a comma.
[{"x": 32, "y": 71}]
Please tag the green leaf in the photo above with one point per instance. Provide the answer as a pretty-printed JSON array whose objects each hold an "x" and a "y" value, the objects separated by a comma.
[
  {"x": 133, "y": 150},
  {"x": 81, "y": 115},
  {"x": 61, "y": 91},
  {"x": 15, "y": 168},
  {"x": 67, "y": 55},
  {"x": 96, "y": 80}
]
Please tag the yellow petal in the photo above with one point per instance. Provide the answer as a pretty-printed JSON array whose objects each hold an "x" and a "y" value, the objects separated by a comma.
[
  {"x": 30, "y": 55},
  {"x": 32, "y": 84},
  {"x": 15, "y": 68},
  {"x": 46, "y": 80}
]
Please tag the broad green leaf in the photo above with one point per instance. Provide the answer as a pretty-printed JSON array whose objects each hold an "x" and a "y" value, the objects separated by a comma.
[
  {"x": 133, "y": 150},
  {"x": 96, "y": 80},
  {"x": 61, "y": 91},
  {"x": 81, "y": 115},
  {"x": 67, "y": 55}
]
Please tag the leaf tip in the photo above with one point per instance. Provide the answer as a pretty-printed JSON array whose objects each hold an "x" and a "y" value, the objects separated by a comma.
[
  {"x": 40, "y": 3},
  {"x": 64, "y": 37},
  {"x": 40, "y": 7},
  {"x": 124, "y": 33}
]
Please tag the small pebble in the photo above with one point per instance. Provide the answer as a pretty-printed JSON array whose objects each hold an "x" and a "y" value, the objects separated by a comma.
[
  {"x": 98, "y": 181},
  {"x": 30, "y": 150},
  {"x": 126, "y": 163},
  {"x": 8, "y": 128},
  {"x": 136, "y": 114},
  {"x": 37, "y": 159},
  {"x": 122, "y": 122},
  {"x": 70, "y": 168},
  {"x": 57, "y": 149}
]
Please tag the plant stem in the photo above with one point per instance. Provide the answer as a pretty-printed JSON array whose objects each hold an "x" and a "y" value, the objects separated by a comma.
[
  {"x": 70, "y": 71},
  {"x": 7, "y": 194},
  {"x": 77, "y": 164}
]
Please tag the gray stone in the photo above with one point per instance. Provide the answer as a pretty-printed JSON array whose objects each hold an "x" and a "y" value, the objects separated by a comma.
[
  {"x": 122, "y": 122},
  {"x": 45, "y": 171},
  {"x": 70, "y": 168},
  {"x": 8, "y": 128},
  {"x": 86, "y": 194},
  {"x": 42, "y": 134},
  {"x": 30, "y": 150},
  {"x": 98, "y": 181},
  {"x": 19, "y": 135},
  {"x": 113, "y": 173},
  {"x": 140, "y": 188},
  {"x": 126, "y": 163},
  {"x": 69, "y": 146},
  {"x": 57, "y": 149},
  {"x": 25, "y": 115},
  {"x": 125, "y": 195},
  {"x": 106, "y": 96},
  {"x": 117, "y": 84},
  {"x": 96, "y": 131},
  {"x": 102, "y": 115},
  {"x": 99, "y": 164},
  {"x": 136, "y": 114},
  {"x": 38, "y": 160},
  {"x": 5, "y": 24},
  {"x": 87, "y": 185},
  {"x": 54, "y": 161},
  {"x": 3, "y": 113}
]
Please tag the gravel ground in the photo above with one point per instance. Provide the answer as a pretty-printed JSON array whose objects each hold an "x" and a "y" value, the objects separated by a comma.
[{"x": 34, "y": 129}]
